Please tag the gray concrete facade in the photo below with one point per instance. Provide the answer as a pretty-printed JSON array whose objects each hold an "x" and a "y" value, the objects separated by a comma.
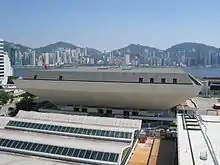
[
  {"x": 114, "y": 75},
  {"x": 111, "y": 88}
]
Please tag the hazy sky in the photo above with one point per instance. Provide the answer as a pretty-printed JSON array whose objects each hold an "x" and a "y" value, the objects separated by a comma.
[{"x": 110, "y": 24}]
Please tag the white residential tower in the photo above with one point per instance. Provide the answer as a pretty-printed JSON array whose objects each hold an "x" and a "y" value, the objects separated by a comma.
[{"x": 5, "y": 65}]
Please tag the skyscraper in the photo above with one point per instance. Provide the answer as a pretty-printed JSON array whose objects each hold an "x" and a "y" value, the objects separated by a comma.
[
  {"x": 5, "y": 65},
  {"x": 127, "y": 59},
  {"x": 1, "y": 60},
  {"x": 33, "y": 58},
  {"x": 8, "y": 70}
]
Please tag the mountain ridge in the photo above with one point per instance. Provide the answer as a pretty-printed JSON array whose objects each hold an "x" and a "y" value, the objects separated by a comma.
[
  {"x": 48, "y": 48},
  {"x": 130, "y": 49}
]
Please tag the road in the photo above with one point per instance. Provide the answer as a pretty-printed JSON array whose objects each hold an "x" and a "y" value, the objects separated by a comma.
[{"x": 204, "y": 104}]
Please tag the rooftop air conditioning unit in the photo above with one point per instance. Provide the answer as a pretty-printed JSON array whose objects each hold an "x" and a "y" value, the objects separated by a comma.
[{"x": 203, "y": 155}]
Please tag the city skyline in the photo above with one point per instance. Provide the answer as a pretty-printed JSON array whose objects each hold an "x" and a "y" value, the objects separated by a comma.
[
  {"x": 60, "y": 54},
  {"x": 21, "y": 44},
  {"x": 110, "y": 25}
]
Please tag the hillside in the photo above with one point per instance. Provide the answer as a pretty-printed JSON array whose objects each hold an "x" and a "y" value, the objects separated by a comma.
[
  {"x": 190, "y": 46},
  {"x": 134, "y": 49},
  {"x": 49, "y": 48}
]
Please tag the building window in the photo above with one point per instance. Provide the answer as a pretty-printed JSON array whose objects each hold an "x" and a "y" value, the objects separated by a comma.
[
  {"x": 163, "y": 80},
  {"x": 84, "y": 109},
  {"x": 135, "y": 113},
  {"x": 76, "y": 109},
  {"x": 100, "y": 111},
  {"x": 141, "y": 80},
  {"x": 35, "y": 77},
  {"x": 144, "y": 121},
  {"x": 60, "y": 77},
  {"x": 151, "y": 80},
  {"x": 126, "y": 113},
  {"x": 214, "y": 87},
  {"x": 109, "y": 112},
  {"x": 174, "y": 81}
]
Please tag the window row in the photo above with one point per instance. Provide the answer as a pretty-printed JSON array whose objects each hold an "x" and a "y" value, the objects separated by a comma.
[
  {"x": 163, "y": 80},
  {"x": 55, "y": 128},
  {"x": 56, "y": 150},
  {"x": 141, "y": 80}
]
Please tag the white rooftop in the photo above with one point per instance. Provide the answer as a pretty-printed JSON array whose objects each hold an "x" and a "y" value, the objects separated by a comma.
[
  {"x": 83, "y": 120},
  {"x": 4, "y": 121},
  {"x": 64, "y": 141},
  {"x": 183, "y": 145},
  {"x": 14, "y": 159},
  {"x": 212, "y": 124},
  {"x": 191, "y": 143},
  {"x": 61, "y": 140}
]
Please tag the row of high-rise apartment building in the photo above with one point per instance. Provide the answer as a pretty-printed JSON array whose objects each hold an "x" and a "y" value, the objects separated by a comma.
[
  {"x": 56, "y": 57},
  {"x": 81, "y": 56},
  {"x": 1, "y": 60},
  {"x": 5, "y": 65}
]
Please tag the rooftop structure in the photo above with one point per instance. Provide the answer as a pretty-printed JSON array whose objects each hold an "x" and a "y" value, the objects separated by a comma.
[
  {"x": 68, "y": 138},
  {"x": 140, "y": 88},
  {"x": 120, "y": 75},
  {"x": 197, "y": 139}
]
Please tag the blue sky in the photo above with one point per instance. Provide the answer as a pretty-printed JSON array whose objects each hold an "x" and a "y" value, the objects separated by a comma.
[{"x": 110, "y": 24}]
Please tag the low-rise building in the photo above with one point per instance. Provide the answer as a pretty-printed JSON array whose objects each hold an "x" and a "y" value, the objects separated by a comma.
[{"x": 48, "y": 137}]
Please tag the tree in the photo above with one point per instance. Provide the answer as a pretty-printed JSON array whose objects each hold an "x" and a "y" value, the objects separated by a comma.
[
  {"x": 27, "y": 95},
  {"x": 10, "y": 79},
  {"x": 12, "y": 112},
  {"x": 4, "y": 97},
  {"x": 24, "y": 104}
]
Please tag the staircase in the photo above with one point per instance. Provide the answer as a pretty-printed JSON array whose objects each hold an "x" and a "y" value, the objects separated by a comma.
[{"x": 191, "y": 122}]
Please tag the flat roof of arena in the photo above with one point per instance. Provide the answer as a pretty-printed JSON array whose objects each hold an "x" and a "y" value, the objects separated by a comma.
[{"x": 109, "y": 69}]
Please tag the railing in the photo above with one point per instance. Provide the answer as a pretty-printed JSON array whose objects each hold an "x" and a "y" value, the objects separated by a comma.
[
  {"x": 197, "y": 82},
  {"x": 207, "y": 140},
  {"x": 190, "y": 144},
  {"x": 128, "y": 152},
  {"x": 175, "y": 154},
  {"x": 151, "y": 149}
]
